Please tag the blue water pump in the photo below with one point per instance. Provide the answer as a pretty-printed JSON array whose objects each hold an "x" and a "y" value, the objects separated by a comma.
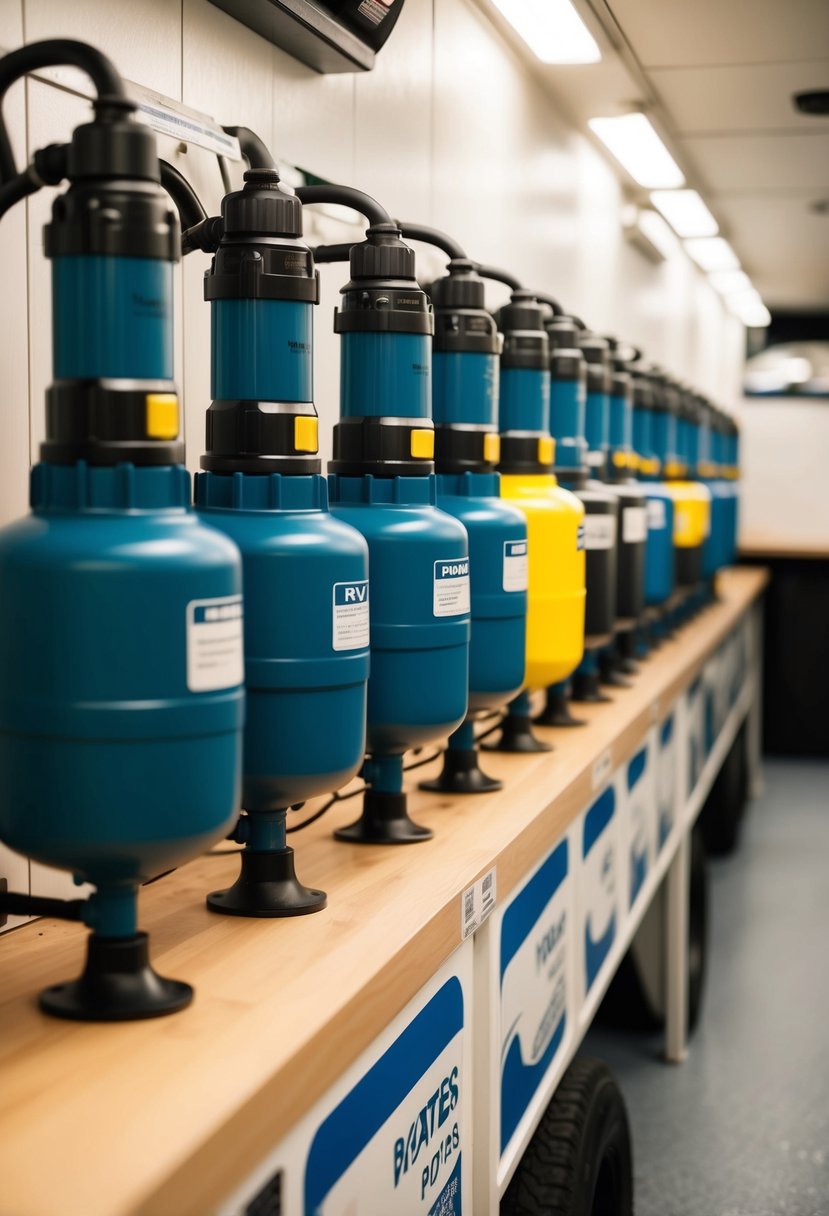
[
  {"x": 568, "y": 391},
  {"x": 305, "y": 572},
  {"x": 467, "y": 448},
  {"x": 121, "y": 697},
  {"x": 382, "y": 482},
  {"x": 660, "y": 558},
  {"x": 710, "y": 469}
]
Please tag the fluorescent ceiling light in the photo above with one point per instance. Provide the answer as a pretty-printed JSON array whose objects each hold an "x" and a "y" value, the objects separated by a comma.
[
  {"x": 685, "y": 212},
  {"x": 638, "y": 149},
  {"x": 712, "y": 253},
  {"x": 727, "y": 282},
  {"x": 749, "y": 307},
  {"x": 655, "y": 230},
  {"x": 552, "y": 29}
]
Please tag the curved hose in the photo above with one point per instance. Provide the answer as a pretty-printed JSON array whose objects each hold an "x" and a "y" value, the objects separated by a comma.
[
  {"x": 499, "y": 276},
  {"x": 20, "y": 186},
  {"x": 188, "y": 204},
  {"x": 334, "y": 253},
  {"x": 432, "y": 236},
  {"x": 346, "y": 197},
  {"x": 551, "y": 301},
  {"x": 254, "y": 150},
  {"x": 53, "y": 52}
]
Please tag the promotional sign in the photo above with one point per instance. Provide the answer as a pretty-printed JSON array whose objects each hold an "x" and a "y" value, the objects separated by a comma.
[
  {"x": 666, "y": 780},
  {"x": 695, "y": 722},
  {"x": 394, "y": 1133},
  {"x": 636, "y": 783},
  {"x": 599, "y": 883},
  {"x": 534, "y": 974}
]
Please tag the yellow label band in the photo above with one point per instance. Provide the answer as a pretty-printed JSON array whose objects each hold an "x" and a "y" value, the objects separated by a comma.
[
  {"x": 306, "y": 433},
  {"x": 546, "y": 450},
  {"x": 422, "y": 445},
  {"x": 162, "y": 415}
]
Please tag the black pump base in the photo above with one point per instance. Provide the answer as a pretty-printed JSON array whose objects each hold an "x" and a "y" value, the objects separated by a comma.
[
  {"x": 610, "y": 673},
  {"x": 117, "y": 985},
  {"x": 626, "y": 648},
  {"x": 461, "y": 774},
  {"x": 556, "y": 712},
  {"x": 385, "y": 820},
  {"x": 517, "y": 736},
  {"x": 267, "y": 886},
  {"x": 586, "y": 689}
]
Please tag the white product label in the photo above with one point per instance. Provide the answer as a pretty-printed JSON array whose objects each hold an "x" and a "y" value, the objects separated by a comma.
[
  {"x": 351, "y": 617},
  {"x": 634, "y": 525},
  {"x": 451, "y": 591},
  {"x": 657, "y": 515},
  {"x": 167, "y": 120},
  {"x": 374, "y": 11},
  {"x": 215, "y": 656},
  {"x": 601, "y": 768},
  {"x": 599, "y": 531},
  {"x": 515, "y": 565},
  {"x": 477, "y": 902}
]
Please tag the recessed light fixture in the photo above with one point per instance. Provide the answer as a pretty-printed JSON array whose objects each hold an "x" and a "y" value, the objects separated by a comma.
[
  {"x": 648, "y": 232},
  {"x": 727, "y": 282},
  {"x": 712, "y": 253},
  {"x": 552, "y": 29},
  {"x": 749, "y": 307},
  {"x": 685, "y": 212},
  {"x": 632, "y": 139}
]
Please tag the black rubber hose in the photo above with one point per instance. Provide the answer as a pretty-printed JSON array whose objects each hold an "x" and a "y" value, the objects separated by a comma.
[
  {"x": 334, "y": 253},
  {"x": 50, "y": 53},
  {"x": 188, "y": 203},
  {"x": 20, "y": 186},
  {"x": 551, "y": 301},
  {"x": 432, "y": 236},
  {"x": 500, "y": 276},
  {"x": 346, "y": 197},
  {"x": 39, "y": 905},
  {"x": 254, "y": 150}
]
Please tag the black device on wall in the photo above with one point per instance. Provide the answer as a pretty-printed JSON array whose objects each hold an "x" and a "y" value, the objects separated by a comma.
[{"x": 328, "y": 35}]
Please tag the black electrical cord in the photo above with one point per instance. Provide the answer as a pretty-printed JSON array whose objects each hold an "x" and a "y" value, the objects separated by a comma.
[
  {"x": 346, "y": 196},
  {"x": 188, "y": 204},
  {"x": 19, "y": 187},
  {"x": 225, "y": 172},
  {"x": 499, "y": 276},
  {"x": 254, "y": 150},
  {"x": 432, "y": 236},
  {"x": 52, "y": 52}
]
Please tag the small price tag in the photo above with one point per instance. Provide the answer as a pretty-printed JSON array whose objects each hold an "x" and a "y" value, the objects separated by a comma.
[
  {"x": 601, "y": 769},
  {"x": 477, "y": 902}
]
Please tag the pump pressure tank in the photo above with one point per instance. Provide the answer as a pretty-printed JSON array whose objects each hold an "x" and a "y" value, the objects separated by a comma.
[
  {"x": 121, "y": 698},
  {"x": 382, "y": 483},
  {"x": 692, "y": 501},
  {"x": 659, "y": 554},
  {"x": 555, "y": 517},
  {"x": 567, "y": 412},
  {"x": 306, "y": 573},
  {"x": 465, "y": 410}
]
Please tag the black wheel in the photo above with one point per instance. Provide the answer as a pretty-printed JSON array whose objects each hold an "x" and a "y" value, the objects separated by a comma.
[
  {"x": 578, "y": 1163},
  {"x": 722, "y": 813},
  {"x": 630, "y": 1004}
]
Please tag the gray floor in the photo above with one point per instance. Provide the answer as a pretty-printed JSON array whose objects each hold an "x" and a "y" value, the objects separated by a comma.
[{"x": 742, "y": 1128}]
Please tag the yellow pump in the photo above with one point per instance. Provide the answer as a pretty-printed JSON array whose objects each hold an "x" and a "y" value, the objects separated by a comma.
[{"x": 555, "y": 534}]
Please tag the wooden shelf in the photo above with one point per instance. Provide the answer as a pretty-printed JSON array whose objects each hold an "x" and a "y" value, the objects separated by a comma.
[
  {"x": 167, "y": 1116},
  {"x": 757, "y": 545}
]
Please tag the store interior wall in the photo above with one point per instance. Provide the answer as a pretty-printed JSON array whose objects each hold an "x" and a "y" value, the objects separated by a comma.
[{"x": 450, "y": 128}]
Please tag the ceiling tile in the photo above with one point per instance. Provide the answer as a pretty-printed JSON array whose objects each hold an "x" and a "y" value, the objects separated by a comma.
[
  {"x": 748, "y": 163},
  {"x": 784, "y": 247},
  {"x": 759, "y": 98},
  {"x": 675, "y": 33}
]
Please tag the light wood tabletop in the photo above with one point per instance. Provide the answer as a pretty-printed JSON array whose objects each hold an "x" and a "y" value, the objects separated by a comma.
[{"x": 165, "y": 1117}]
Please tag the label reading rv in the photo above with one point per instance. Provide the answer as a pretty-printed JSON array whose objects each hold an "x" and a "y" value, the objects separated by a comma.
[
  {"x": 351, "y": 616},
  {"x": 599, "y": 531},
  {"x": 634, "y": 525},
  {"x": 214, "y": 644},
  {"x": 515, "y": 565},
  {"x": 451, "y": 588}
]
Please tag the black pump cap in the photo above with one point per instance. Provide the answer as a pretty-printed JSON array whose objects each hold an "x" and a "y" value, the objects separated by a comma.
[
  {"x": 642, "y": 393},
  {"x": 384, "y": 255},
  {"x": 263, "y": 207},
  {"x": 596, "y": 353},
  {"x": 462, "y": 287},
  {"x": 462, "y": 323},
  {"x": 563, "y": 333},
  {"x": 523, "y": 312},
  {"x": 113, "y": 145}
]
